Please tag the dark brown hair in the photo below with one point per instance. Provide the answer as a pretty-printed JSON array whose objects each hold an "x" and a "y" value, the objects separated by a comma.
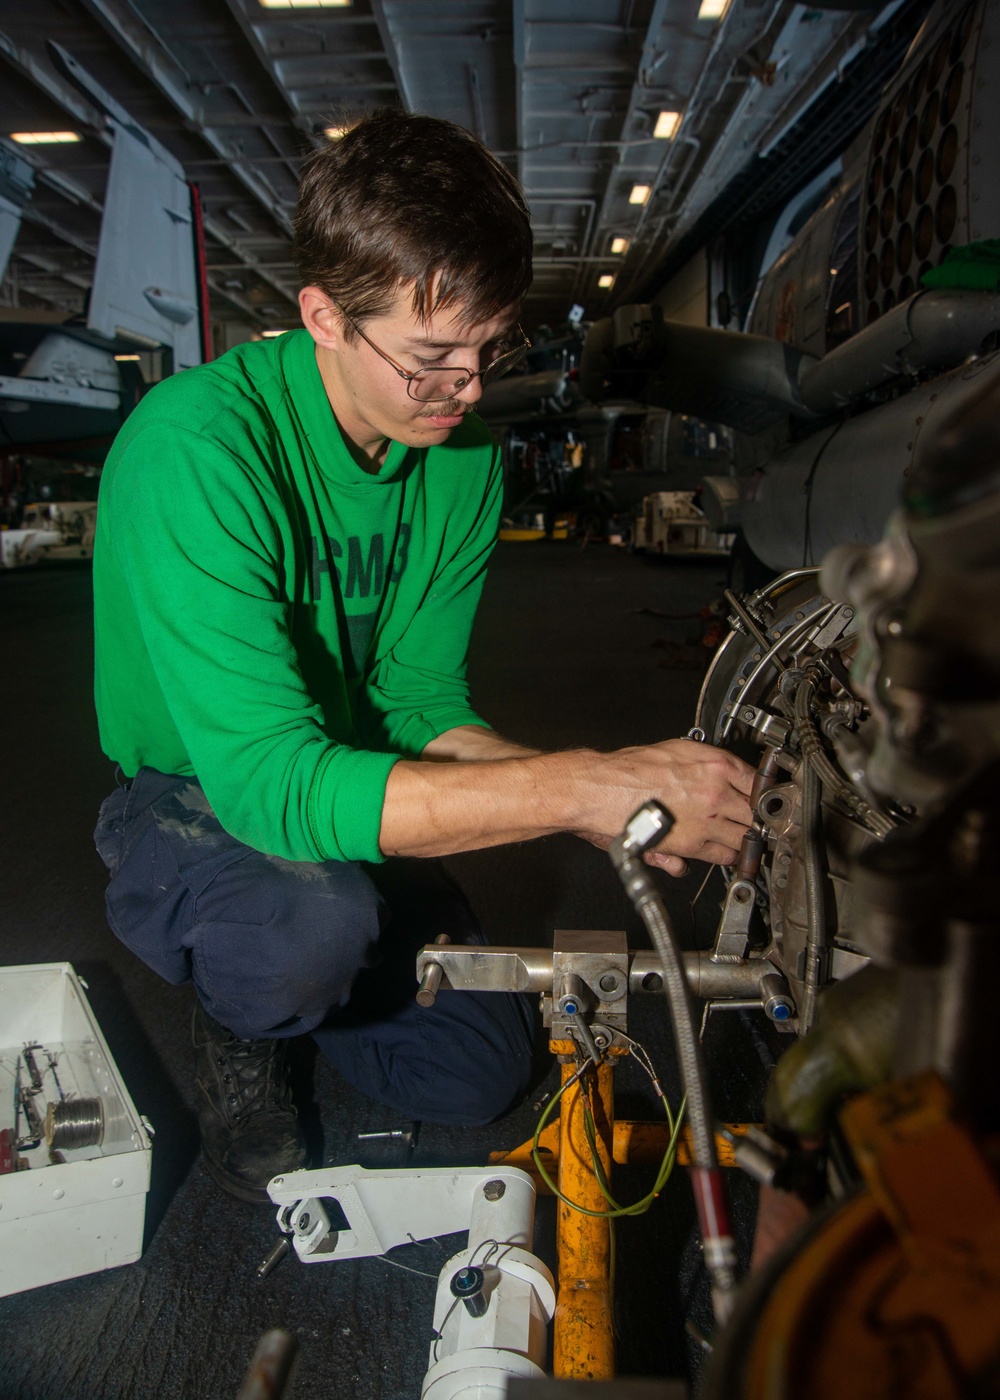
[{"x": 403, "y": 200}]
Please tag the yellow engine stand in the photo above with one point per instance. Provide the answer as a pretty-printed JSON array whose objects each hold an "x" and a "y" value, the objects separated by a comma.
[{"x": 583, "y": 1346}]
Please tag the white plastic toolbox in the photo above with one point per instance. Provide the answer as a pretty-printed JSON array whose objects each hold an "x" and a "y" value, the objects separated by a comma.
[{"x": 58, "y": 1221}]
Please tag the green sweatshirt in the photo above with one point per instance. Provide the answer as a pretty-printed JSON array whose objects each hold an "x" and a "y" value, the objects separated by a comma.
[{"x": 272, "y": 618}]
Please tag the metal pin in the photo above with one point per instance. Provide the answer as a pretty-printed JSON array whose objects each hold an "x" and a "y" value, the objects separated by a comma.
[
  {"x": 407, "y": 1136},
  {"x": 431, "y": 980},
  {"x": 274, "y": 1258},
  {"x": 588, "y": 1040}
]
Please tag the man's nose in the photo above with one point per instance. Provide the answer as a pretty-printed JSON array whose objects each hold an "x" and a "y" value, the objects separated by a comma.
[{"x": 472, "y": 392}]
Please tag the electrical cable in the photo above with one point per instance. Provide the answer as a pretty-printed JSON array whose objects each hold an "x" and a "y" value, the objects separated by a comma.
[
  {"x": 440, "y": 1332},
  {"x": 422, "y": 1273},
  {"x": 616, "y": 1209},
  {"x": 494, "y": 1249}
]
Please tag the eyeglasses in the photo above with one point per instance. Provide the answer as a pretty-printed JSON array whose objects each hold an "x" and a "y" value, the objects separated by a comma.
[{"x": 441, "y": 382}]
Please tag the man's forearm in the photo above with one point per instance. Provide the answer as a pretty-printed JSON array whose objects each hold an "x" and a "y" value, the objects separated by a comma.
[
  {"x": 473, "y": 743},
  {"x": 438, "y": 808},
  {"x": 497, "y": 796}
]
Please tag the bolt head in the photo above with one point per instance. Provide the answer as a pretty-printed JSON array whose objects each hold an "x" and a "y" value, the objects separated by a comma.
[{"x": 493, "y": 1190}]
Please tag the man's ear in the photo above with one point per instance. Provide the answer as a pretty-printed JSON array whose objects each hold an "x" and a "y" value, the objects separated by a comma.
[{"x": 321, "y": 318}]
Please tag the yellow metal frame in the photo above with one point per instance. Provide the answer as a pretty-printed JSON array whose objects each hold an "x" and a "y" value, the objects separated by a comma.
[{"x": 583, "y": 1346}]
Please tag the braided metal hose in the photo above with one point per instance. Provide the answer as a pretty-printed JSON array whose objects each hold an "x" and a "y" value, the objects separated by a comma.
[
  {"x": 644, "y": 830},
  {"x": 812, "y": 751},
  {"x": 812, "y": 869}
]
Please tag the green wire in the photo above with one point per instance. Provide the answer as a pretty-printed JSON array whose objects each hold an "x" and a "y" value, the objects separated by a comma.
[{"x": 638, "y": 1207}]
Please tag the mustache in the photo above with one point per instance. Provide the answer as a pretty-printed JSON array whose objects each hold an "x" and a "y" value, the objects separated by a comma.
[{"x": 449, "y": 409}]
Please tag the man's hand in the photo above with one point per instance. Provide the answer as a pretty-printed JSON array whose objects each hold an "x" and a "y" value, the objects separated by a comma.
[
  {"x": 705, "y": 788},
  {"x": 479, "y": 791}
]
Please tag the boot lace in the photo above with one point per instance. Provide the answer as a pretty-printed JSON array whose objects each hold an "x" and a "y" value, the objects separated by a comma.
[{"x": 253, "y": 1079}]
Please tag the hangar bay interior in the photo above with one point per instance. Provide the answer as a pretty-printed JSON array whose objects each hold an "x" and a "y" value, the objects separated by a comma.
[{"x": 750, "y": 478}]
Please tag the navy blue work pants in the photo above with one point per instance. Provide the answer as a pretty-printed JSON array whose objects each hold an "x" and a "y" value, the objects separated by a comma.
[{"x": 281, "y": 948}]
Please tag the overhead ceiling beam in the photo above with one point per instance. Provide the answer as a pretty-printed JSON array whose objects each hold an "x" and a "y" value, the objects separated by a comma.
[
  {"x": 391, "y": 54},
  {"x": 343, "y": 85},
  {"x": 520, "y": 63},
  {"x": 55, "y": 88},
  {"x": 52, "y": 269},
  {"x": 32, "y": 214},
  {"x": 59, "y": 181},
  {"x": 263, "y": 56},
  {"x": 231, "y": 267},
  {"x": 234, "y": 299},
  {"x": 249, "y": 260},
  {"x": 69, "y": 189},
  {"x": 145, "y": 49}
]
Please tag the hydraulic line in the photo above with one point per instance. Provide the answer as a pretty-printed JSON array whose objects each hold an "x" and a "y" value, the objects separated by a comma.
[
  {"x": 812, "y": 751},
  {"x": 646, "y": 828},
  {"x": 812, "y": 869}
]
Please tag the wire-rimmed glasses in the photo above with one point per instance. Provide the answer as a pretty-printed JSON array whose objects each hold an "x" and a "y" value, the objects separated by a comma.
[{"x": 440, "y": 382}]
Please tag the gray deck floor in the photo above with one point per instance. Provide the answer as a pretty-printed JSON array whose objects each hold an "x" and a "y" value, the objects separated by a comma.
[{"x": 562, "y": 656}]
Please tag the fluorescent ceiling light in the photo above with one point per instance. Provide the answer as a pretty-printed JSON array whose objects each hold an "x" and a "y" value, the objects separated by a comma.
[
  {"x": 270, "y": 335},
  {"x": 619, "y": 245},
  {"x": 119, "y": 358},
  {"x": 45, "y": 138},
  {"x": 305, "y": 4},
  {"x": 713, "y": 9},
  {"x": 666, "y": 124},
  {"x": 607, "y": 280},
  {"x": 639, "y": 195}
]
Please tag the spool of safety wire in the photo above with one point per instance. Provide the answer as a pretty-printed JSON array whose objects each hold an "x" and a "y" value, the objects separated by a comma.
[{"x": 75, "y": 1123}]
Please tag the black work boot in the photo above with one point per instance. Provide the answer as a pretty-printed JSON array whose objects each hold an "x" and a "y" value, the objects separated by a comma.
[{"x": 249, "y": 1127}]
